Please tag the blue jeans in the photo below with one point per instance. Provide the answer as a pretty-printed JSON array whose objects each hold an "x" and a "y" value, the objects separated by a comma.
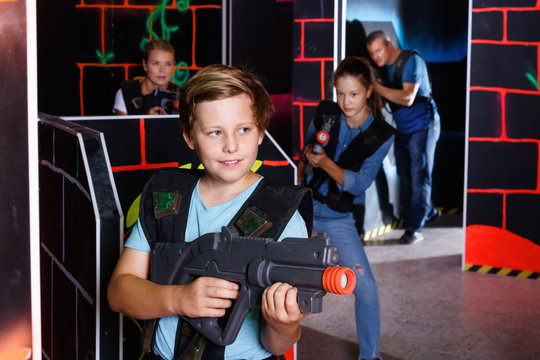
[
  {"x": 344, "y": 236},
  {"x": 415, "y": 153}
]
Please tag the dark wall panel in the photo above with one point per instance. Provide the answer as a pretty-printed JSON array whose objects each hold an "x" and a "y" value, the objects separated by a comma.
[
  {"x": 80, "y": 233},
  {"x": 15, "y": 312}
]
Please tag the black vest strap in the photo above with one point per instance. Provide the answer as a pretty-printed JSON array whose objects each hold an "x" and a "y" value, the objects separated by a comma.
[
  {"x": 167, "y": 228},
  {"x": 276, "y": 202},
  {"x": 133, "y": 97},
  {"x": 397, "y": 83}
]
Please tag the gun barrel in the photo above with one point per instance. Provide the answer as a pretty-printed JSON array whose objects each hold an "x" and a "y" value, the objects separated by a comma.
[{"x": 339, "y": 280}]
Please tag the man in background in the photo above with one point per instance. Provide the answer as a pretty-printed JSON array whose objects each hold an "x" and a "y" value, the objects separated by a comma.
[{"x": 405, "y": 84}]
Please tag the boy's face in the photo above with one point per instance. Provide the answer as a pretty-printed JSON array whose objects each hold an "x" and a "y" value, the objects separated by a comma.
[{"x": 226, "y": 138}]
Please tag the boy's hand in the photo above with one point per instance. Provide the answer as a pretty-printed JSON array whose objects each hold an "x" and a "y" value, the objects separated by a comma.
[
  {"x": 206, "y": 297},
  {"x": 282, "y": 318},
  {"x": 279, "y": 306}
]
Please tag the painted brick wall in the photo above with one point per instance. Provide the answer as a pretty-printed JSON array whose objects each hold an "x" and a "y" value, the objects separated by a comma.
[
  {"x": 503, "y": 187},
  {"x": 87, "y": 48},
  {"x": 313, "y": 63}
]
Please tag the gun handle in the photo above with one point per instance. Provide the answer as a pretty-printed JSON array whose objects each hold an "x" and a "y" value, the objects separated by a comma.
[
  {"x": 223, "y": 331},
  {"x": 310, "y": 301}
]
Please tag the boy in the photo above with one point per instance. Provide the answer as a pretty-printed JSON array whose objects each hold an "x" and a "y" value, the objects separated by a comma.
[{"x": 223, "y": 112}]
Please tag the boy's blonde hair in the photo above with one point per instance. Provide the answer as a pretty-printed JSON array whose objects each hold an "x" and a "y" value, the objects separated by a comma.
[{"x": 217, "y": 82}]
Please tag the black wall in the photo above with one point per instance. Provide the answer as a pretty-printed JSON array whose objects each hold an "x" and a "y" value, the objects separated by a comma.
[{"x": 15, "y": 308}]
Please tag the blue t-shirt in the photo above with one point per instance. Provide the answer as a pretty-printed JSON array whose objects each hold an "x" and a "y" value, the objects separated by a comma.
[
  {"x": 420, "y": 115},
  {"x": 354, "y": 182},
  {"x": 203, "y": 220}
]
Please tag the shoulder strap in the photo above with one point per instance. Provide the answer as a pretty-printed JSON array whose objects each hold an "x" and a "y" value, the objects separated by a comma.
[
  {"x": 268, "y": 210},
  {"x": 168, "y": 192},
  {"x": 398, "y": 75},
  {"x": 402, "y": 58}
]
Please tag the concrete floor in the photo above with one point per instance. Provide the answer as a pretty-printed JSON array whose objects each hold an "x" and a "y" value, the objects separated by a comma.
[{"x": 430, "y": 308}]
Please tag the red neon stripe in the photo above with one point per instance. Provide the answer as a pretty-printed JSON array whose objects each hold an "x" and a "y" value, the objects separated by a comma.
[
  {"x": 196, "y": 7},
  {"x": 505, "y": 25},
  {"x": 490, "y": 9},
  {"x": 301, "y": 126},
  {"x": 127, "y": 65},
  {"x": 505, "y": 42},
  {"x": 509, "y": 140},
  {"x": 538, "y": 170},
  {"x": 312, "y": 59},
  {"x": 81, "y": 99},
  {"x": 103, "y": 31},
  {"x": 142, "y": 167},
  {"x": 503, "y": 115},
  {"x": 504, "y": 212},
  {"x": 107, "y": 65},
  {"x": 500, "y": 90},
  {"x": 275, "y": 162},
  {"x": 313, "y": 20},
  {"x": 194, "y": 28},
  {"x": 502, "y": 191},
  {"x": 302, "y": 40},
  {"x": 322, "y": 81},
  {"x": 124, "y": 6},
  {"x": 538, "y": 64},
  {"x": 305, "y": 103},
  {"x": 143, "y": 141}
]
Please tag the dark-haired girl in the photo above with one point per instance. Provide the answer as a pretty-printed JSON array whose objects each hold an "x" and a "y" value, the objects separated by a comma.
[{"x": 347, "y": 142}]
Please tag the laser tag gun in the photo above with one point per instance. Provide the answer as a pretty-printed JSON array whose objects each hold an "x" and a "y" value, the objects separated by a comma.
[
  {"x": 254, "y": 264},
  {"x": 323, "y": 135},
  {"x": 166, "y": 99}
]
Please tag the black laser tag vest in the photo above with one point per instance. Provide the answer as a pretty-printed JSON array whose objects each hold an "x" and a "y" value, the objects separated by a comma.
[
  {"x": 360, "y": 148},
  {"x": 164, "y": 211},
  {"x": 136, "y": 102},
  {"x": 398, "y": 74}
]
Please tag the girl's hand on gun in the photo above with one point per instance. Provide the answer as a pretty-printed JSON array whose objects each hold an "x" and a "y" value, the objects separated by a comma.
[{"x": 316, "y": 160}]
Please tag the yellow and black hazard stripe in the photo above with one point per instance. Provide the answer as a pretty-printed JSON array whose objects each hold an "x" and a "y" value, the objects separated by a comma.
[
  {"x": 502, "y": 271},
  {"x": 370, "y": 235},
  {"x": 369, "y": 238}
]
